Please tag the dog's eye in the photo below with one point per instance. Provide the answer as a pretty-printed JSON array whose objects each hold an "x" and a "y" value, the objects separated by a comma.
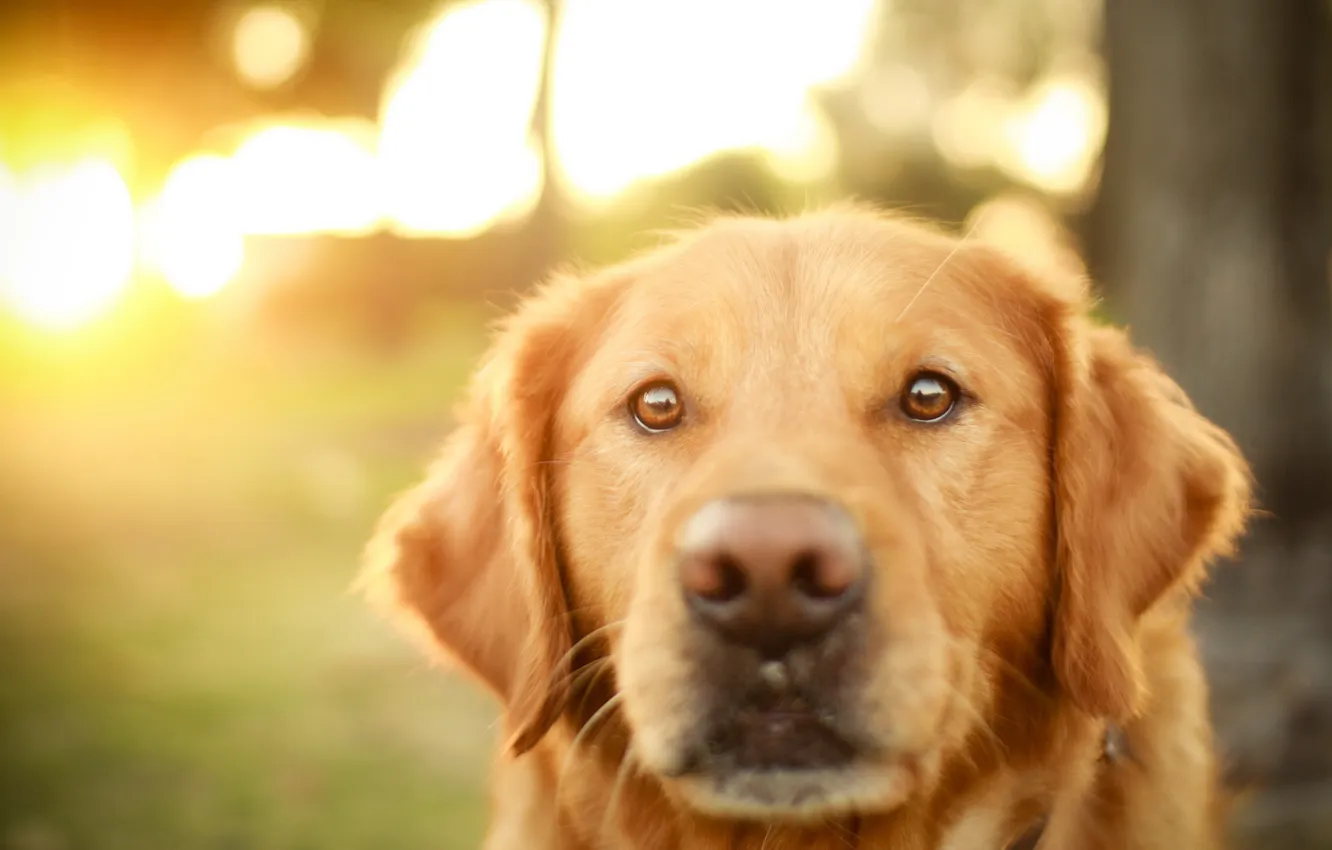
[
  {"x": 657, "y": 407},
  {"x": 929, "y": 397}
]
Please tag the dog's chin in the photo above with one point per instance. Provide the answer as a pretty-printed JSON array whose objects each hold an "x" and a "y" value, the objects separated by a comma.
[
  {"x": 796, "y": 794},
  {"x": 781, "y": 758}
]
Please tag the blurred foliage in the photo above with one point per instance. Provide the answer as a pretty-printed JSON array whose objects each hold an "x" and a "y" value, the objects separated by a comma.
[{"x": 183, "y": 663}]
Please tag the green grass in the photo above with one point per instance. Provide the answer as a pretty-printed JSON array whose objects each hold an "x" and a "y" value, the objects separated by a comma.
[{"x": 181, "y": 662}]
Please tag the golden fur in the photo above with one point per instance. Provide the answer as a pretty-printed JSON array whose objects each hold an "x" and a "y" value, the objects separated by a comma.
[{"x": 1034, "y": 558}]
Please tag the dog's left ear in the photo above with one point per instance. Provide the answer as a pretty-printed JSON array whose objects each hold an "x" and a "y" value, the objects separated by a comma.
[
  {"x": 468, "y": 558},
  {"x": 1146, "y": 490}
]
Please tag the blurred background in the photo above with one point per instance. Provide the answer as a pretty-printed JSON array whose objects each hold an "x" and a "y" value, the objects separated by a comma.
[{"x": 248, "y": 252}]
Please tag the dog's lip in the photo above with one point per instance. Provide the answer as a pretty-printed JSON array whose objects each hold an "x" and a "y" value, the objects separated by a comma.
[
  {"x": 782, "y": 736},
  {"x": 805, "y": 795}
]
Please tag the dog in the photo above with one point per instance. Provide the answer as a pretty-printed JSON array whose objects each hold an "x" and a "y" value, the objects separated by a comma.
[{"x": 823, "y": 532}]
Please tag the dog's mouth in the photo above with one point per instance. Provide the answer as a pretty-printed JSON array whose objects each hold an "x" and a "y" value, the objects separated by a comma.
[
  {"x": 784, "y": 733},
  {"x": 786, "y": 764},
  {"x": 781, "y": 752}
]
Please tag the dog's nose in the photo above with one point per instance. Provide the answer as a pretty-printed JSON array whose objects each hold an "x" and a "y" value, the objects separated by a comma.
[{"x": 771, "y": 571}]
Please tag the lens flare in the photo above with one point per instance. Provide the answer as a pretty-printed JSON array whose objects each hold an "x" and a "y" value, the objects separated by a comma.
[
  {"x": 455, "y": 144},
  {"x": 192, "y": 235},
  {"x": 645, "y": 89},
  {"x": 66, "y": 242},
  {"x": 319, "y": 177}
]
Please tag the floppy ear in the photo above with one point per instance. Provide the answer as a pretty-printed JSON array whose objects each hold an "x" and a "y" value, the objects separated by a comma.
[
  {"x": 1146, "y": 490},
  {"x": 467, "y": 559}
]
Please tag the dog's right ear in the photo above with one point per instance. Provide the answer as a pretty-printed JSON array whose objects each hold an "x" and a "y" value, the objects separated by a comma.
[
  {"x": 441, "y": 563},
  {"x": 467, "y": 559}
]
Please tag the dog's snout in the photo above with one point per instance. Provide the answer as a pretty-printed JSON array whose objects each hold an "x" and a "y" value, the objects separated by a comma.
[{"x": 770, "y": 572}]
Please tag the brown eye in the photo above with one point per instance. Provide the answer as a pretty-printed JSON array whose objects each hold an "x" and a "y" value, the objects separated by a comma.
[
  {"x": 657, "y": 407},
  {"x": 929, "y": 397}
]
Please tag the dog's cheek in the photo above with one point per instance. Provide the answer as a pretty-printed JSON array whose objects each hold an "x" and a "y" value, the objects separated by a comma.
[
  {"x": 908, "y": 644},
  {"x": 909, "y": 685},
  {"x": 656, "y": 677}
]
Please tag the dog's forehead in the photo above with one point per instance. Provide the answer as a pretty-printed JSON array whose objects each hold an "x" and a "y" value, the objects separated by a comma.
[{"x": 799, "y": 285}]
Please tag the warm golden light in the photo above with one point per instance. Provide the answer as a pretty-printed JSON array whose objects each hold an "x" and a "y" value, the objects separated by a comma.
[
  {"x": 66, "y": 242},
  {"x": 9, "y": 212},
  {"x": 302, "y": 178},
  {"x": 807, "y": 151},
  {"x": 269, "y": 45},
  {"x": 455, "y": 147},
  {"x": 638, "y": 91},
  {"x": 1049, "y": 138},
  {"x": 192, "y": 234},
  {"x": 969, "y": 128},
  {"x": 1059, "y": 134},
  {"x": 642, "y": 90}
]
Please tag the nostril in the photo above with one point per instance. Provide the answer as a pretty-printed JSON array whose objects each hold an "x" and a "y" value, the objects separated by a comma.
[
  {"x": 805, "y": 575},
  {"x": 817, "y": 577},
  {"x": 731, "y": 581},
  {"x": 719, "y": 578}
]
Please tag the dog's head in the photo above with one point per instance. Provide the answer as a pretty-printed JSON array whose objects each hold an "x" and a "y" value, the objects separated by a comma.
[{"x": 813, "y": 488}]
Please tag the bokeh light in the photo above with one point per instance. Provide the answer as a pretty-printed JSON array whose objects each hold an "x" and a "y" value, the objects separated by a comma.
[
  {"x": 192, "y": 234},
  {"x": 969, "y": 127},
  {"x": 455, "y": 144},
  {"x": 1059, "y": 133},
  {"x": 302, "y": 178},
  {"x": 269, "y": 45},
  {"x": 1048, "y": 137},
  {"x": 66, "y": 242},
  {"x": 642, "y": 90},
  {"x": 638, "y": 92}
]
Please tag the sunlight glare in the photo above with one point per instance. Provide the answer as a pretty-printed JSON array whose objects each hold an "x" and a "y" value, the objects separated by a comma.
[
  {"x": 67, "y": 244},
  {"x": 645, "y": 89},
  {"x": 454, "y": 143},
  {"x": 9, "y": 212},
  {"x": 192, "y": 235},
  {"x": 269, "y": 45},
  {"x": 807, "y": 151},
  {"x": 295, "y": 179}
]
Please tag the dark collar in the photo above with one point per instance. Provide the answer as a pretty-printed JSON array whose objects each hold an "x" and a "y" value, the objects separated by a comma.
[{"x": 1114, "y": 749}]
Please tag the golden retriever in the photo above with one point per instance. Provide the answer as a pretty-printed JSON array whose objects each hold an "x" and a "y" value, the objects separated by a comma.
[{"x": 827, "y": 532}]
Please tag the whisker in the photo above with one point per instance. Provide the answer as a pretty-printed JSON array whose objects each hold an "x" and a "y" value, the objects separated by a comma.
[
  {"x": 569, "y": 614},
  {"x": 572, "y": 679},
  {"x": 595, "y": 720},
  {"x": 592, "y": 668},
  {"x": 951, "y": 251},
  {"x": 844, "y": 834},
  {"x": 582, "y": 641},
  {"x": 627, "y": 767},
  {"x": 598, "y": 671},
  {"x": 1017, "y": 675},
  {"x": 587, "y": 729}
]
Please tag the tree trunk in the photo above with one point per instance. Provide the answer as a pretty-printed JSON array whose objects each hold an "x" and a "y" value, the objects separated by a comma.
[{"x": 1212, "y": 236}]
